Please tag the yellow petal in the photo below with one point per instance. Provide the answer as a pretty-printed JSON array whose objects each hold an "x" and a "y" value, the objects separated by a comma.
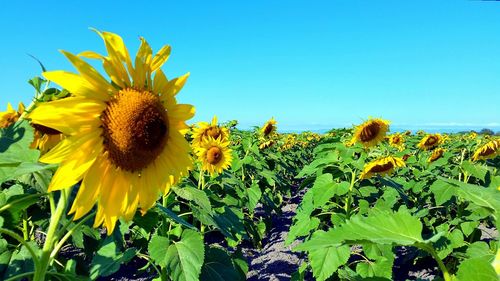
[
  {"x": 68, "y": 145},
  {"x": 76, "y": 84},
  {"x": 142, "y": 64},
  {"x": 69, "y": 115},
  {"x": 76, "y": 165},
  {"x": 160, "y": 58},
  {"x": 174, "y": 86}
]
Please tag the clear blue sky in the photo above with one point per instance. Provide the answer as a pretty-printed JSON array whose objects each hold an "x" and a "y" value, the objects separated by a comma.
[{"x": 310, "y": 64}]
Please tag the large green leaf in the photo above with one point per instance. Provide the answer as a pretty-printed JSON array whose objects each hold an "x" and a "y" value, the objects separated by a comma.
[
  {"x": 254, "y": 194},
  {"x": 185, "y": 257},
  {"x": 171, "y": 215},
  {"x": 326, "y": 261},
  {"x": 108, "y": 259},
  {"x": 157, "y": 249},
  {"x": 218, "y": 266},
  {"x": 476, "y": 269},
  {"x": 443, "y": 191}
]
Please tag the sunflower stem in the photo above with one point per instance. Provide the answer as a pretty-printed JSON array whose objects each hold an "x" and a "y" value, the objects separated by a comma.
[
  {"x": 348, "y": 199},
  {"x": 429, "y": 249},
  {"x": 51, "y": 238}
]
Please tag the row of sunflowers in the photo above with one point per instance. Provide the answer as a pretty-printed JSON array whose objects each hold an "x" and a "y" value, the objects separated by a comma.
[{"x": 103, "y": 176}]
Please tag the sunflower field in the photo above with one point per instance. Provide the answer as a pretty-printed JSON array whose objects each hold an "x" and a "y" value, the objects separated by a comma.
[{"x": 101, "y": 176}]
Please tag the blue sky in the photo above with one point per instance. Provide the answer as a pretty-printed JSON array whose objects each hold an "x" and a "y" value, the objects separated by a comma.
[{"x": 310, "y": 64}]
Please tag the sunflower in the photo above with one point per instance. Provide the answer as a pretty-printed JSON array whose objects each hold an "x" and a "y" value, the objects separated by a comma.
[
  {"x": 214, "y": 154},
  {"x": 266, "y": 144},
  {"x": 371, "y": 132},
  {"x": 10, "y": 116},
  {"x": 269, "y": 128},
  {"x": 45, "y": 138},
  {"x": 436, "y": 154},
  {"x": 382, "y": 166},
  {"x": 205, "y": 130},
  {"x": 430, "y": 141},
  {"x": 397, "y": 140},
  {"x": 124, "y": 137},
  {"x": 489, "y": 150}
]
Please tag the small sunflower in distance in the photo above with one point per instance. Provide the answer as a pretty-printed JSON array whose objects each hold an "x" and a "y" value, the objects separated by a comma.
[
  {"x": 397, "y": 140},
  {"x": 436, "y": 154},
  {"x": 382, "y": 166},
  {"x": 430, "y": 141},
  {"x": 10, "y": 116},
  {"x": 487, "y": 151},
  {"x": 123, "y": 138},
  {"x": 205, "y": 130},
  {"x": 371, "y": 132},
  {"x": 215, "y": 155},
  {"x": 269, "y": 128}
]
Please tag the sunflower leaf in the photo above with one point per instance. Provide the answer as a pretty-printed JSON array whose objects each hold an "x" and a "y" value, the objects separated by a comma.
[
  {"x": 171, "y": 215},
  {"x": 185, "y": 257}
]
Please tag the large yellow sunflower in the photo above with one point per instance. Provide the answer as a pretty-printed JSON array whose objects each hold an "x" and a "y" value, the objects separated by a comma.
[
  {"x": 205, "y": 130},
  {"x": 214, "y": 154},
  {"x": 382, "y": 166},
  {"x": 269, "y": 128},
  {"x": 487, "y": 151},
  {"x": 124, "y": 137},
  {"x": 430, "y": 141},
  {"x": 10, "y": 116},
  {"x": 371, "y": 132}
]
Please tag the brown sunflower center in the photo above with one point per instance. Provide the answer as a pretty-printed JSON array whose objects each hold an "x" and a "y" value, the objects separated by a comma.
[
  {"x": 135, "y": 129},
  {"x": 45, "y": 130},
  {"x": 214, "y": 155},
  {"x": 369, "y": 132},
  {"x": 432, "y": 140},
  {"x": 487, "y": 151},
  {"x": 382, "y": 168},
  {"x": 268, "y": 129},
  {"x": 213, "y": 131},
  {"x": 436, "y": 155}
]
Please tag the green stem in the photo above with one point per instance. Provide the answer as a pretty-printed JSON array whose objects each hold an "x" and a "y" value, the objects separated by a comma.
[
  {"x": 19, "y": 276},
  {"x": 51, "y": 238},
  {"x": 348, "y": 199},
  {"x": 429, "y": 249},
  {"x": 68, "y": 234},
  {"x": 19, "y": 239}
]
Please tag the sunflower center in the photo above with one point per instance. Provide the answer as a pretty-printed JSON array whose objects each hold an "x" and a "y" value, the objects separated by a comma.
[
  {"x": 135, "y": 129},
  {"x": 369, "y": 132},
  {"x": 214, "y": 155},
  {"x": 268, "y": 129},
  {"x": 431, "y": 140},
  {"x": 213, "y": 132},
  {"x": 382, "y": 168},
  {"x": 488, "y": 151},
  {"x": 45, "y": 130}
]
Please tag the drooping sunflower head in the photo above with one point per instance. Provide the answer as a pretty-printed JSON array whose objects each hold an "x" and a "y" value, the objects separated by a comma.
[
  {"x": 397, "y": 140},
  {"x": 205, "y": 130},
  {"x": 436, "y": 154},
  {"x": 269, "y": 128},
  {"x": 371, "y": 132},
  {"x": 215, "y": 155},
  {"x": 472, "y": 136},
  {"x": 382, "y": 166},
  {"x": 487, "y": 151},
  {"x": 45, "y": 138},
  {"x": 266, "y": 144},
  {"x": 10, "y": 116},
  {"x": 124, "y": 136},
  {"x": 430, "y": 141}
]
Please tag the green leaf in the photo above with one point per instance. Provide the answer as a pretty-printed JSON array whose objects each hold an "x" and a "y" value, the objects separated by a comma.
[
  {"x": 476, "y": 170},
  {"x": 185, "y": 257},
  {"x": 254, "y": 194},
  {"x": 157, "y": 249},
  {"x": 479, "y": 249},
  {"x": 171, "y": 215},
  {"x": 20, "y": 261},
  {"x": 192, "y": 194},
  {"x": 108, "y": 259},
  {"x": 218, "y": 266},
  {"x": 443, "y": 191},
  {"x": 476, "y": 269},
  {"x": 323, "y": 189},
  {"x": 327, "y": 260}
]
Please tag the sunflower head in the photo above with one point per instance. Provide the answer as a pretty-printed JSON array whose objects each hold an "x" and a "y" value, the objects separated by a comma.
[
  {"x": 123, "y": 134},
  {"x": 487, "y": 151},
  {"x": 382, "y": 166},
  {"x": 266, "y": 144},
  {"x": 45, "y": 138},
  {"x": 10, "y": 116},
  {"x": 269, "y": 128},
  {"x": 436, "y": 154},
  {"x": 397, "y": 140},
  {"x": 430, "y": 141},
  {"x": 371, "y": 132},
  {"x": 205, "y": 130},
  {"x": 215, "y": 155}
]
